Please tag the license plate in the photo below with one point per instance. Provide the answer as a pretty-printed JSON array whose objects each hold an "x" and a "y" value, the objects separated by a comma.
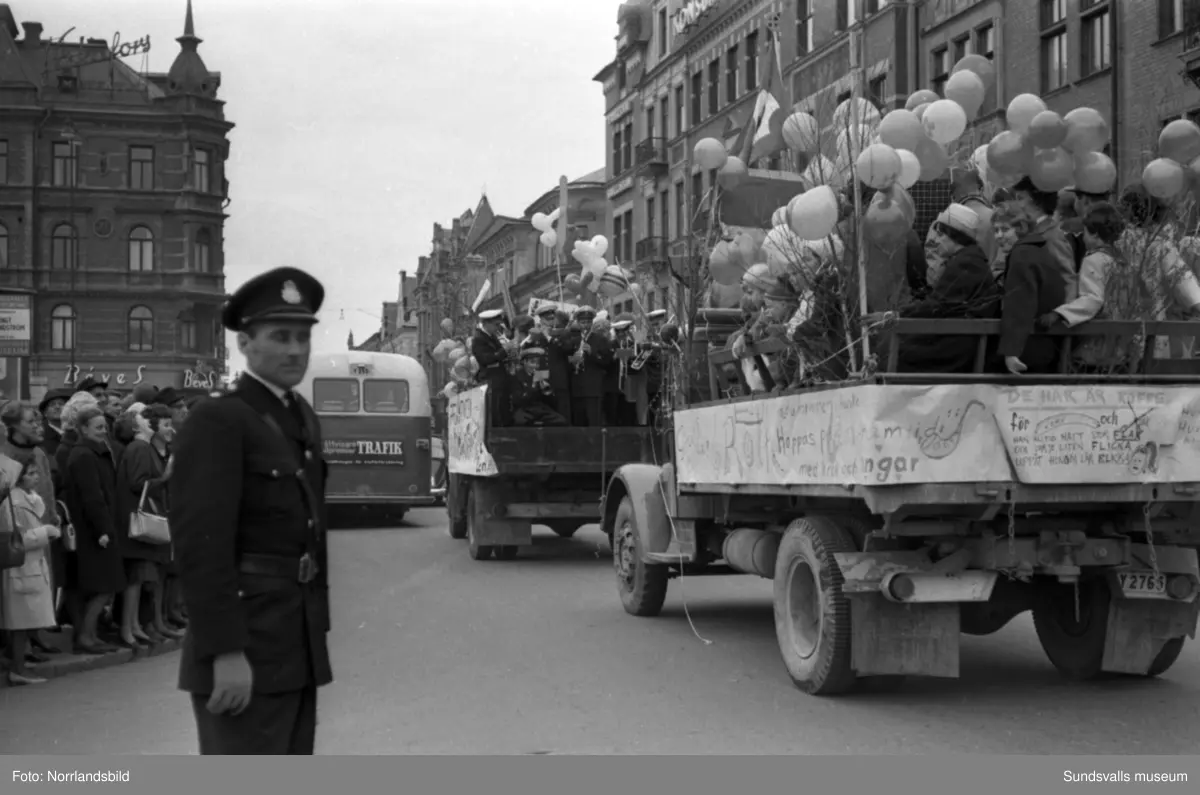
[{"x": 1142, "y": 582}]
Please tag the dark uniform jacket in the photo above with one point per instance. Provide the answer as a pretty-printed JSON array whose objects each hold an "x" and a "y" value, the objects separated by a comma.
[
  {"x": 588, "y": 382},
  {"x": 490, "y": 355},
  {"x": 239, "y": 502},
  {"x": 534, "y": 404},
  {"x": 554, "y": 342}
]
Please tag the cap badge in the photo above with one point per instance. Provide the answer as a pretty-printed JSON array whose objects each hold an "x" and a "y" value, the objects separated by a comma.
[{"x": 290, "y": 293}]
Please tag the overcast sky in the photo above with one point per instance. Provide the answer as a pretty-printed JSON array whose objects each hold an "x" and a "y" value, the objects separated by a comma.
[{"x": 360, "y": 123}]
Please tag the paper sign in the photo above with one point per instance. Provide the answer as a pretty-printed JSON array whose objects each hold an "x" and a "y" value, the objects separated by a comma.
[{"x": 466, "y": 425}]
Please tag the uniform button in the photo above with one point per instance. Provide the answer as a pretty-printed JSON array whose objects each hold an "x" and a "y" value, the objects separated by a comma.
[
  {"x": 308, "y": 455},
  {"x": 241, "y": 594},
  {"x": 274, "y": 473},
  {"x": 310, "y": 523}
]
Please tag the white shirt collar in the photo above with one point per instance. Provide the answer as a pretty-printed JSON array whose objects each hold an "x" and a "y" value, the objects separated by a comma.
[{"x": 274, "y": 390}]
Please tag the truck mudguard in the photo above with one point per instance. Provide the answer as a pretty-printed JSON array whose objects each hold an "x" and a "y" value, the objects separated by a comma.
[{"x": 642, "y": 484}]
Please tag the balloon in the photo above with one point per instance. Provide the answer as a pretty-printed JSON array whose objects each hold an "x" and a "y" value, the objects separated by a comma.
[
  {"x": 851, "y": 141},
  {"x": 1052, "y": 169},
  {"x": 1095, "y": 172},
  {"x": 722, "y": 296},
  {"x": 967, "y": 89},
  {"x": 878, "y": 166},
  {"x": 441, "y": 351},
  {"x": 732, "y": 173},
  {"x": 801, "y": 132},
  {"x": 541, "y": 222},
  {"x": 922, "y": 97},
  {"x": 779, "y": 217},
  {"x": 447, "y": 326},
  {"x": 745, "y": 248},
  {"x": 1087, "y": 131},
  {"x": 919, "y": 112},
  {"x": 600, "y": 244},
  {"x": 1010, "y": 154},
  {"x": 1180, "y": 141},
  {"x": 1163, "y": 179},
  {"x": 721, "y": 265},
  {"x": 612, "y": 283},
  {"x": 549, "y": 239},
  {"x": 934, "y": 160},
  {"x": 981, "y": 66},
  {"x": 814, "y": 213},
  {"x": 709, "y": 153},
  {"x": 456, "y": 353},
  {"x": 635, "y": 289},
  {"x": 1022, "y": 110},
  {"x": 782, "y": 247},
  {"x": 901, "y": 129},
  {"x": 884, "y": 222},
  {"x": 852, "y": 111},
  {"x": 822, "y": 171},
  {"x": 1047, "y": 130},
  {"x": 945, "y": 121},
  {"x": 910, "y": 168},
  {"x": 572, "y": 283}
]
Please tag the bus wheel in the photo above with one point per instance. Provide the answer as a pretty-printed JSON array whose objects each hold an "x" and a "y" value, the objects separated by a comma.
[
  {"x": 642, "y": 585},
  {"x": 456, "y": 514},
  {"x": 1074, "y": 639},
  {"x": 476, "y": 550},
  {"x": 812, "y": 615},
  {"x": 507, "y": 552}
]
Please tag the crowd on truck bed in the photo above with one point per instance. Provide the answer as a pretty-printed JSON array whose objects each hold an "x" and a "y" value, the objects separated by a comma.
[
  {"x": 555, "y": 369},
  {"x": 1032, "y": 259}
]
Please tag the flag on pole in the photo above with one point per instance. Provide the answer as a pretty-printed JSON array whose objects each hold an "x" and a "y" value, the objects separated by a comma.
[{"x": 762, "y": 135}]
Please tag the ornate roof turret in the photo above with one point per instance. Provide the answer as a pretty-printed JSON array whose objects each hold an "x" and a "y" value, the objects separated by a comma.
[{"x": 188, "y": 74}]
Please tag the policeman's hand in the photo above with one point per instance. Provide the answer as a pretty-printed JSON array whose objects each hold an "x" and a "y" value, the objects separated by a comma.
[
  {"x": 232, "y": 684},
  {"x": 1014, "y": 365}
]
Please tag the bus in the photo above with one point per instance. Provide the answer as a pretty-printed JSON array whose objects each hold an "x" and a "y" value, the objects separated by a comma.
[{"x": 376, "y": 428}]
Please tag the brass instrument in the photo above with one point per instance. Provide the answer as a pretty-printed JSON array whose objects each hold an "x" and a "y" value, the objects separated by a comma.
[
  {"x": 642, "y": 354},
  {"x": 582, "y": 342}
]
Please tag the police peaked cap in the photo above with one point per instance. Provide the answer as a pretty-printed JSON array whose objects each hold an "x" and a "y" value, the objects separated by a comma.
[{"x": 280, "y": 295}]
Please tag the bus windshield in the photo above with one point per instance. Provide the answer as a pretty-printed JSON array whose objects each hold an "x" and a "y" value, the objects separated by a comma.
[
  {"x": 336, "y": 395},
  {"x": 385, "y": 396}
]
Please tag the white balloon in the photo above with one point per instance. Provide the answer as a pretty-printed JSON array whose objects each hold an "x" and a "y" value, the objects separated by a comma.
[
  {"x": 945, "y": 121},
  {"x": 814, "y": 213},
  {"x": 845, "y": 116},
  {"x": 910, "y": 168},
  {"x": 541, "y": 222},
  {"x": 549, "y": 239},
  {"x": 801, "y": 132},
  {"x": 600, "y": 245},
  {"x": 779, "y": 217}
]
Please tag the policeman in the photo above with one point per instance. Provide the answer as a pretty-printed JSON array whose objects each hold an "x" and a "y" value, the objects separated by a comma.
[
  {"x": 488, "y": 346},
  {"x": 248, "y": 524}
]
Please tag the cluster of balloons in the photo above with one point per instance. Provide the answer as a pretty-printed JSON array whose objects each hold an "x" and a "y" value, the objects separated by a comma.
[
  {"x": 1054, "y": 151},
  {"x": 710, "y": 153},
  {"x": 598, "y": 276},
  {"x": 731, "y": 258},
  {"x": 1178, "y": 162},
  {"x": 545, "y": 224}
]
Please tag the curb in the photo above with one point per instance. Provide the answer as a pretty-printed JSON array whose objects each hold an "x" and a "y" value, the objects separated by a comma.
[{"x": 65, "y": 664}]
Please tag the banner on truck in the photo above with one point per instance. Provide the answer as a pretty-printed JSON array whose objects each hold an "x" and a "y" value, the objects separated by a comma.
[{"x": 466, "y": 421}]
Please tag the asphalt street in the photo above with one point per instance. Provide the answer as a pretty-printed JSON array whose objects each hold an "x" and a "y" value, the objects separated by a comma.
[{"x": 437, "y": 654}]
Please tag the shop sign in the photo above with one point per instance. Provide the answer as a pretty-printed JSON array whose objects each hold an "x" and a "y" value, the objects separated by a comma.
[
  {"x": 690, "y": 14},
  {"x": 196, "y": 379},
  {"x": 15, "y": 311},
  {"x": 75, "y": 373},
  {"x": 363, "y": 452},
  {"x": 118, "y": 49}
]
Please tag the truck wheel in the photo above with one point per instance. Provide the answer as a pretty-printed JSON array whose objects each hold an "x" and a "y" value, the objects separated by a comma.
[
  {"x": 812, "y": 615},
  {"x": 1167, "y": 657},
  {"x": 564, "y": 530},
  {"x": 642, "y": 586},
  {"x": 454, "y": 503},
  {"x": 476, "y": 550},
  {"x": 507, "y": 552},
  {"x": 1075, "y": 646}
]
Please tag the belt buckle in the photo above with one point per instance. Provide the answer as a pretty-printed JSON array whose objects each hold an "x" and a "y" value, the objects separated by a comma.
[{"x": 308, "y": 569}]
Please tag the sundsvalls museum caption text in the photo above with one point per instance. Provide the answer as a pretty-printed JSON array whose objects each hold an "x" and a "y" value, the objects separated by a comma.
[{"x": 71, "y": 776}]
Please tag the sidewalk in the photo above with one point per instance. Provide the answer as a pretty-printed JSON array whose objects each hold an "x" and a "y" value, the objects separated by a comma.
[{"x": 64, "y": 664}]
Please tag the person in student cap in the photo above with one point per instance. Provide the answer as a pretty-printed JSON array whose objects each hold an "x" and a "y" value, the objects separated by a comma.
[
  {"x": 552, "y": 339},
  {"x": 491, "y": 354},
  {"x": 533, "y": 400},
  {"x": 590, "y": 356},
  {"x": 248, "y": 521}
]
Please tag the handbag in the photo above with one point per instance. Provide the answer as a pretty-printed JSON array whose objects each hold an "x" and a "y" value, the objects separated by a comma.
[
  {"x": 67, "y": 527},
  {"x": 146, "y": 527},
  {"x": 12, "y": 543}
]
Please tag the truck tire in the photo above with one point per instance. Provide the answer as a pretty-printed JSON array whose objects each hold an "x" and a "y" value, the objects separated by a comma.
[
  {"x": 455, "y": 503},
  {"x": 812, "y": 615},
  {"x": 1074, "y": 646},
  {"x": 1167, "y": 657},
  {"x": 564, "y": 529},
  {"x": 476, "y": 550},
  {"x": 642, "y": 586},
  {"x": 506, "y": 552}
]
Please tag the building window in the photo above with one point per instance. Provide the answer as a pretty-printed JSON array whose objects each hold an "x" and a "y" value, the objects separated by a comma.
[
  {"x": 664, "y": 117},
  {"x": 141, "y": 168},
  {"x": 664, "y": 213},
  {"x": 62, "y": 247},
  {"x": 1095, "y": 43},
  {"x": 141, "y": 250},
  {"x": 1054, "y": 44},
  {"x": 662, "y": 31},
  {"x": 201, "y": 171},
  {"x": 731, "y": 74},
  {"x": 616, "y": 148},
  {"x": 627, "y": 144},
  {"x": 1170, "y": 17},
  {"x": 844, "y": 9},
  {"x": 962, "y": 46},
  {"x": 804, "y": 27},
  {"x": 62, "y": 328},
  {"x": 141, "y": 329},
  {"x": 3, "y": 162},
  {"x": 187, "y": 333},
  {"x": 752, "y": 61},
  {"x": 651, "y": 217},
  {"x": 940, "y": 69},
  {"x": 697, "y": 96},
  {"x": 3, "y": 246},
  {"x": 985, "y": 41},
  {"x": 202, "y": 252},
  {"x": 697, "y": 198},
  {"x": 877, "y": 91},
  {"x": 680, "y": 210},
  {"x": 714, "y": 85},
  {"x": 650, "y": 122},
  {"x": 66, "y": 164},
  {"x": 622, "y": 77},
  {"x": 679, "y": 123},
  {"x": 618, "y": 231}
]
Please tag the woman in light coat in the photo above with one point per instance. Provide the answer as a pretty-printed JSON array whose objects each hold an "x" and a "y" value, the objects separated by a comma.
[{"x": 27, "y": 599}]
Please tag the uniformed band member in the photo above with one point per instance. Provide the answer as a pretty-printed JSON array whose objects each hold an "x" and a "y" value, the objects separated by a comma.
[
  {"x": 654, "y": 363},
  {"x": 492, "y": 356},
  {"x": 248, "y": 523},
  {"x": 554, "y": 341},
  {"x": 533, "y": 399},
  {"x": 590, "y": 358},
  {"x": 621, "y": 403}
]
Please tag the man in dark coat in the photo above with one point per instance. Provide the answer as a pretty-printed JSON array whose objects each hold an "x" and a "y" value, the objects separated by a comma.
[
  {"x": 591, "y": 356},
  {"x": 532, "y": 396},
  {"x": 551, "y": 336},
  {"x": 51, "y": 410},
  {"x": 492, "y": 357},
  {"x": 248, "y": 523},
  {"x": 176, "y": 402}
]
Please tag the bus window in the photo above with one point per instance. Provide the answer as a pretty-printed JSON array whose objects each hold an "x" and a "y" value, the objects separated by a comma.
[
  {"x": 385, "y": 396},
  {"x": 335, "y": 395}
]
